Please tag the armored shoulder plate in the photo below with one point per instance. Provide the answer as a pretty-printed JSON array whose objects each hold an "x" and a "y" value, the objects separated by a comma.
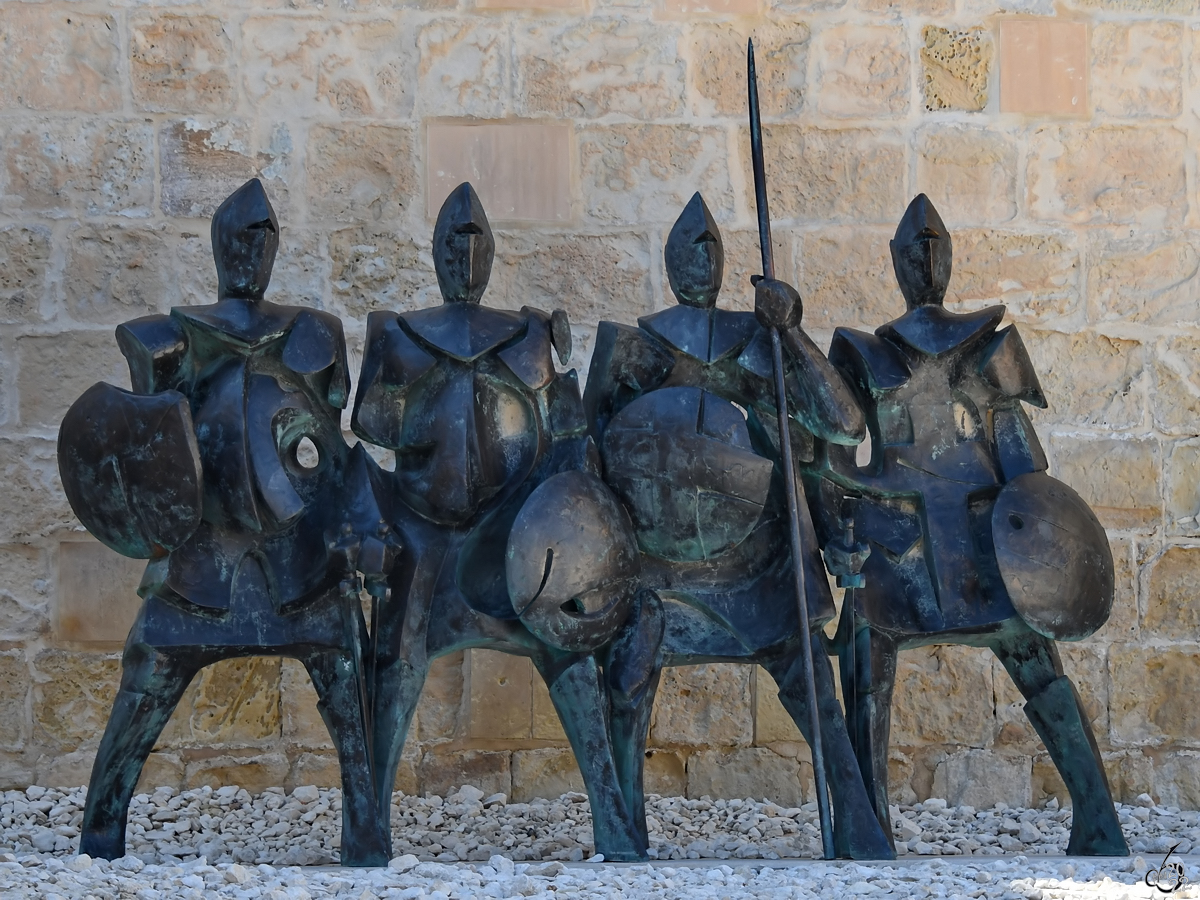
[
  {"x": 463, "y": 331},
  {"x": 155, "y": 348},
  {"x": 626, "y": 363},
  {"x": 315, "y": 346},
  {"x": 529, "y": 357},
  {"x": 1007, "y": 367},
  {"x": 873, "y": 364},
  {"x": 393, "y": 361},
  {"x": 934, "y": 330}
]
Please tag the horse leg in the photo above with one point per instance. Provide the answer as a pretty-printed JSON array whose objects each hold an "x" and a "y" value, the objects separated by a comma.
[
  {"x": 574, "y": 683},
  {"x": 397, "y": 689},
  {"x": 1056, "y": 712},
  {"x": 152, "y": 681},
  {"x": 873, "y": 681},
  {"x": 335, "y": 676},
  {"x": 858, "y": 834}
]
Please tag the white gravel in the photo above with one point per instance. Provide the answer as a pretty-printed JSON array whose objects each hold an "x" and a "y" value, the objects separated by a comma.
[{"x": 224, "y": 842}]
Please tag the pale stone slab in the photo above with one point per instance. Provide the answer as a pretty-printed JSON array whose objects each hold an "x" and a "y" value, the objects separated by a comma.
[
  {"x": 943, "y": 695},
  {"x": 753, "y": 772},
  {"x": 546, "y": 724},
  {"x": 983, "y": 778},
  {"x": 440, "y": 709},
  {"x": 1175, "y": 394},
  {"x": 443, "y": 770},
  {"x": 320, "y": 769},
  {"x": 72, "y": 697},
  {"x": 464, "y": 67},
  {"x": 118, "y": 274},
  {"x": 1043, "y": 66},
  {"x": 14, "y": 694},
  {"x": 1172, "y": 581},
  {"x": 665, "y": 773},
  {"x": 181, "y": 63},
  {"x": 846, "y": 278},
  {"x": 501, "y": 695},
  {"x": 522, "y": 172},
  {"x": 54, "y": 369},
  {"x": 31, "y": 493},
  {"x": 772, "y": 723},
  {"x": 712, "y": 7},
  {"x": 1088, "y": 378},
  {"x": 1152, "y": 693},
  {"x": 379, "y": 269},
  {"x": 1137, "y": 69},
  {"x": 97, "y": 593},
  {"x": 575, "y": 5},
  {"x": 1119, "y": 479},
  {"x": 547, "y": 773},
  {"x": 956, "y": 66},
  {"x": 202, "y": 163},
  {"x": 1147, "y": 279},
  {"x": 301, "y": 722},
  {"x": 24, "y": 259},
  {"x": 717, "y": 67},
  {"x": 252, "y": 772},
  {"x": 969, "y": 173},
  {"x": 708, "y": 705},
  {"x": 160, "y": 770},
  {"x": 24, "y": 594},
  {"x": 1181, "y": 473},
  {"x": 360, "y": 173},
  {"x": 863, "y": 71},
  {"x": 1036, "y": 275},
  {"x": 56, "y": 61},
  {"x": 1178, "y": 779}
]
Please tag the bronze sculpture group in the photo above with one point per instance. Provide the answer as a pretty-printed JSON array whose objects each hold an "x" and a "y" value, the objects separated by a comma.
[{"x": 673, "y": 512}]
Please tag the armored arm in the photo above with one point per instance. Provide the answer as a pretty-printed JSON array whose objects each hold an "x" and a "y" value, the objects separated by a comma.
[
  {"x": 156, "y": 348},
  {"x": 1006, "y": 366},
  {"x": 392, "y": 363},
  {"x": 626, "y": 363}
]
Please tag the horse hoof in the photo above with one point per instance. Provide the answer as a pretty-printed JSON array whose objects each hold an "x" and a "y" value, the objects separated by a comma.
[{"x": 103, "y": 843}]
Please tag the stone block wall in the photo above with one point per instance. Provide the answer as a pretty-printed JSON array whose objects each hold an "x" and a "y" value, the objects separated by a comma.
[{"x": 1057, "y": 139}]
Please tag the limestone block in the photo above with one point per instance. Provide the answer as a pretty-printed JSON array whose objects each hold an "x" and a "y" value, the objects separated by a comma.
[
  {"x": 1137, "y": 68},
  {"x": 665, "y": 773},
  {"x": 1043, "y": 66},
  {"x": 24, "y": 259},
  {"x": 115, "y": 274},
  {"x": 180, "y": 63},
  {"x": 772, "y": 723},
  {"x": 1176, "y": 389},
  {"x": 1047, "y": 782},
  {"x": 943, "y": 695},
  {"x": 983, "y": 778},
  {"x": 406, "y": 780},
  {"x": 1152, "y": 693},
  {"x": 24, "y": 597},
  {"x": 1159, "y": 7},
  {"x": 97, "y": 597},
  {"x": 1130, "y": 773},
  {"x": 752, "y": 772},
  {"x": 1117, "y": 174},
  {"x": 853, "y": 176},
  {"x": 1088, "y": 378},
  {"x": 1172, "y": 581},
  {"x": 673, "y": 8},
  {"x": 14, "y": 694},
  {"x": 300, "y": 720},
  {"x": 60, "y": 61},
  {"x": 360, "y": 173},
  {"x": 1146, "y": 279},
  {"x": 576, "y": 5},
  {"x": 969, "y": 173},
  {"x": 704, "y": 706},
  {"x": 521, "y": 170},
  {"x": 72, "y": 696},
  {"x": 30, "y": 491},
  {"x": 54, "y": 369},
  {"x": 590, "y": 277},
  {"x": 548, "y": 773},
  {"x": 251, "y": 772},
  {"x": 160, "y": 770},
  {"x": 1181, "y": 474},
  {"x": 590, "y": 68},
  {"x": 64, "y": 770},
  {"x": 63, "y": 167},
  {"x": 202, "y": 163},
  {"x": 16, "y": 771},
  {"x": 378, "y": 269},
  {"x": 365, "y": 67},
  {"x": 440, "y": 709},
  {"x": 1122, "y": 624},
  {"x": 464, "y": 67},
  {"x": 546, "y": 724},
  {"x": 956, "y": 65},
  {"x": 443, "y": 770},
  {"x": 501, "y": 691},
  {"x": 1036, "y": 276},
  {"x": 302, "y": 270},
  {"x": 234, "y": 703},
  {"x": 639, "y": 174},
  {"x": 1177, "y": 777},
  {"x": 717, "y": 67},
  {"x": 846, "y": 278},
  {"x": 1119, "y": 479},
  {"x": 863, "y": 71},
  {"x": 743, "y": 258},
  {"x": 320, "y": 769}
]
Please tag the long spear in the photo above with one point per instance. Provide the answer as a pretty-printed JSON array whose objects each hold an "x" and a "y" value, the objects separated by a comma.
[{"x": 795, "y": 491}]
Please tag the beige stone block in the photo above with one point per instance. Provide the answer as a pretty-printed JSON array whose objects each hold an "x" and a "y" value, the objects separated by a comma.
[
  {"x": 943, "y": 695},
  {"x": 680, "y": 8},
  {"x": 54, "y": 369},
  {"x": 548, "y": 773},
  {"x": 847, "y": 279},
  {"x": 443, "y": 770},
  {"x": 407, "y": 780},
  {"x": 59, "y": 58},
  {"x": 983, "y": 778},
  {"x": 1181, "y": 477},
  {"x": 1130, "y": 773},
  {"x": 320, "y": 769},
  {"x": 752, "y": 772},
  {"x": 546, "y": 724},
  {"x": 440, "y": 709},
  {"x": 97, "y": 593},
  {"x": 360, "y": 173},
  {"x": 1177, "y": 777},
  {"x": 16, "y": 771},
  {"x": 160, "y": 770},
  {"x": 203, "y": 163},
  {"x": 464, "y": 67},
  {"x": 1036, "y": 276},
  {"x": 521, "y": 171},
  {"x": 1152, "y": 689},
  {"x": 863, "y": 71},
  {"x": 907, "y": 8},
  {"x": 598, "y": 66},
  {"x": 300, "y": 720},
  {"x": 63, "y": 167},
  {"x": 363, "y": 67},
  {"x": 575, "y": 5},
  {"x": 637, "y": 174},
  {"x": 30, "y": 491},
  {"x": 1118, "y": 174},
  {"x": 1176, "y": 390},
  {"x": 236, "y": 704},
  {"x": 665, "y": 773},
  {"x": 1147, "y": 279},
  {"x": 969, "y": 173},
  {"x": 853, "y": 176},
  {"x": 1137, "y": 68},
  {"x": 704, "y": 706},
  {"x": 65, "y": 770},
  {"x": 1043, "y": 66},
  {"x": 1088, "y": 378},
  {"x": 1122, "y": 624},
  {"x": 590, "y": 277},
  {"x": 252, "y": 772},
  {"x": 1047, "y": 783},
  {"x": 743, "y": 258},
  {"x": 1161, "y": 7},
  {"x": 72, "y": 696},
  {"x": 501, "y": 691},
  {"x": 956, "y": 65},
  {"x": 772, "y": 723},
  {"x": 117, "y": 274},
  {"x": 180, "y": 63},
  {"x": 24, "y": 598},
  {"x": 24, "y": 260},
  {"x": 717, "y": 67},
  {"x": 1119, "y": 479},
  {"x": 14, "y": 699},
  {"x": 1087, "y": 667},
  {"x": 1171, "y": 591},
  {"x": 379, "y": 269}
]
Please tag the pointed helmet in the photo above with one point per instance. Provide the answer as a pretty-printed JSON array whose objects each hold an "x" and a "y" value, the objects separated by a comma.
[
  {"x": 245, "y": 239},
  {"x": 463, "y": 247},
  {"x": 922, "y": 254},
  {"x": 695, "y": 256}
]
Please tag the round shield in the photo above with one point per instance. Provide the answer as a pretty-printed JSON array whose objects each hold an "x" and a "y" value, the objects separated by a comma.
[
  {"x": 1053, "y": 556},
  {"x": 572, "y": 563}
]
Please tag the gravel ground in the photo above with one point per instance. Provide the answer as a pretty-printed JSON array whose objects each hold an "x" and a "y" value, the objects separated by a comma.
[{"x": 224, "y": 842}]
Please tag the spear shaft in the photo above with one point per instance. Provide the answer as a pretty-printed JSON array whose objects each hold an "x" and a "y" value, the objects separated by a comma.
[{"x": 795, "y": 491}]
